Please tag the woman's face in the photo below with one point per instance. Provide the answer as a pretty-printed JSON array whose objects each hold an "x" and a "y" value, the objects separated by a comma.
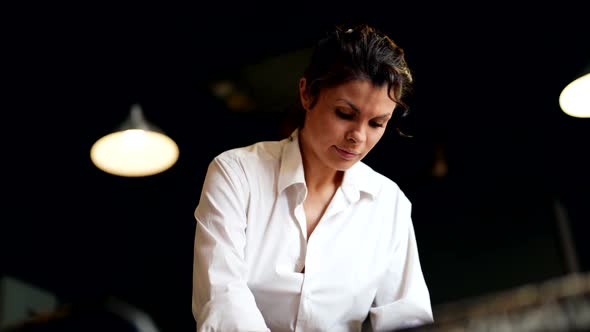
[{"x": 346, "y": 122}]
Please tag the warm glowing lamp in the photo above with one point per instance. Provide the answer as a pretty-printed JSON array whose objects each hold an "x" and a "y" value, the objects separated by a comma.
[
  {"x": 574, "y": 99},
  {"x": 137, "y": 148}
]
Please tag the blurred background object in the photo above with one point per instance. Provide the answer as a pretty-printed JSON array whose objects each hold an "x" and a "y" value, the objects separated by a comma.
[
  {"x": 135, "y": 148},
  {"x": 574, "y": 100},
  {"x": 557, "y": 305},
  {"x": 92, "y": 315},
  {"x": 20, "y": 301}
]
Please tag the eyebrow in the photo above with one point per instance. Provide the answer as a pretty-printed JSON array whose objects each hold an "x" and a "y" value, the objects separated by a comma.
[{"x": 357, "y": 110}]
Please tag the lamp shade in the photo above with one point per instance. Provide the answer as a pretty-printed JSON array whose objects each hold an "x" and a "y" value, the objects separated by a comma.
[
  {"x": 137, "y": 148},
  {"x": 574, "y": 99}
]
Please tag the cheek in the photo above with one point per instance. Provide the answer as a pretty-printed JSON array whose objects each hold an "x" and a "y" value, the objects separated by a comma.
[
  {"x": 373, "y": 139},
  {"x": 327, "y": 126}
]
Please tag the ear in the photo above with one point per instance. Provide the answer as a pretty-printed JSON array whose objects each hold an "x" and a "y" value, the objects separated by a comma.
[{"x": 303, "y": 95}]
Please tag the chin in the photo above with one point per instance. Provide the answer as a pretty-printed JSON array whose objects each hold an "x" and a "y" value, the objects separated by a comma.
[{"x": 344, "y": 166}]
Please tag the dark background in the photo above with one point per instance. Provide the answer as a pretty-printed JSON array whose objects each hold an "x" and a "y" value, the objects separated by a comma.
[{"x": 485, "y": 103}]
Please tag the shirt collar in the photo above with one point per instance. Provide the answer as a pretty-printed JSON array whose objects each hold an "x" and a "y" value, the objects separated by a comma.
[{"x": 358, "y": 178}]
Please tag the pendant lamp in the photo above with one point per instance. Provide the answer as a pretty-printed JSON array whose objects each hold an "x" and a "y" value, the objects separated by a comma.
[
  {"x": 137, "y": 148},
  {"x": 574, "y": 99}
]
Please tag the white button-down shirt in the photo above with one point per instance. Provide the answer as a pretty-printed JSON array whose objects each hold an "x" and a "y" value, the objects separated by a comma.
[{"x": 251, "y": 246}]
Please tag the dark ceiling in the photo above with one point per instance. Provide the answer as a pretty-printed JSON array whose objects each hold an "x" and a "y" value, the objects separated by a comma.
[{"x": 487, "y": 81}]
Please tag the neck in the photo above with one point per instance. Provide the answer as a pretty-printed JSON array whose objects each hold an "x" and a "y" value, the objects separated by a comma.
[{"x": 318, "y": 176}]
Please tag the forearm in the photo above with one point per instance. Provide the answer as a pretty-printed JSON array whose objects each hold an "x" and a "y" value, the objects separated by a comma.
[
  {"x": 222, "y": 300},
  {"x": 233, "y": 311}
]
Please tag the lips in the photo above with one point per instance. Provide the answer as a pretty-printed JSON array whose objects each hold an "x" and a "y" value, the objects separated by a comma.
[{"x": 346, "y": 154}]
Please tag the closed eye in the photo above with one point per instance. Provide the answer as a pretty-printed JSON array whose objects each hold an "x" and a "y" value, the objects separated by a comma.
[
  {"x": 343, "y": 115},
  {"x": 348, "y": 116}
]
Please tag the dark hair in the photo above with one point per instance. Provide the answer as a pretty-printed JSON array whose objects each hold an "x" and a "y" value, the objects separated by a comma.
[{"x": 356, "y": 52}]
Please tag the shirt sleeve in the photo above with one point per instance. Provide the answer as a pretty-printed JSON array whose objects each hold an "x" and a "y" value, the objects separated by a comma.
[
  {"x": 402, "y": 299},
  {"x": 221, "y": 299}
]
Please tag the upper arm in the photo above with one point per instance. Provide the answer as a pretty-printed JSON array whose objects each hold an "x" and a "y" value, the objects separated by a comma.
[
  {"x": 220, "y": 232},
  {"x": 402, "y": 297}
]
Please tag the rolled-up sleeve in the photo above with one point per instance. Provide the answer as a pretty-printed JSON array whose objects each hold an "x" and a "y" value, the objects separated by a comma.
[
  {"x": 221, "y": 299},
  {"x": 402, "y": 299}
]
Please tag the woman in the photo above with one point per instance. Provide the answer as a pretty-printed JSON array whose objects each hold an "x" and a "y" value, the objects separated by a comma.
[{"x": 301, "y": 235}]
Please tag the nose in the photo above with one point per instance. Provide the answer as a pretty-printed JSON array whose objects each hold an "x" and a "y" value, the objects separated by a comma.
[{"x": 357, "y": 135}]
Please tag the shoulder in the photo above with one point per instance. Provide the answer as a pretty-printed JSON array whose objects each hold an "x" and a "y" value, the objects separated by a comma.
[
  {"x": 254, "y": 154},
  {"x": 383, "y": 187},
  {"x": 393, "y": 204}
]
